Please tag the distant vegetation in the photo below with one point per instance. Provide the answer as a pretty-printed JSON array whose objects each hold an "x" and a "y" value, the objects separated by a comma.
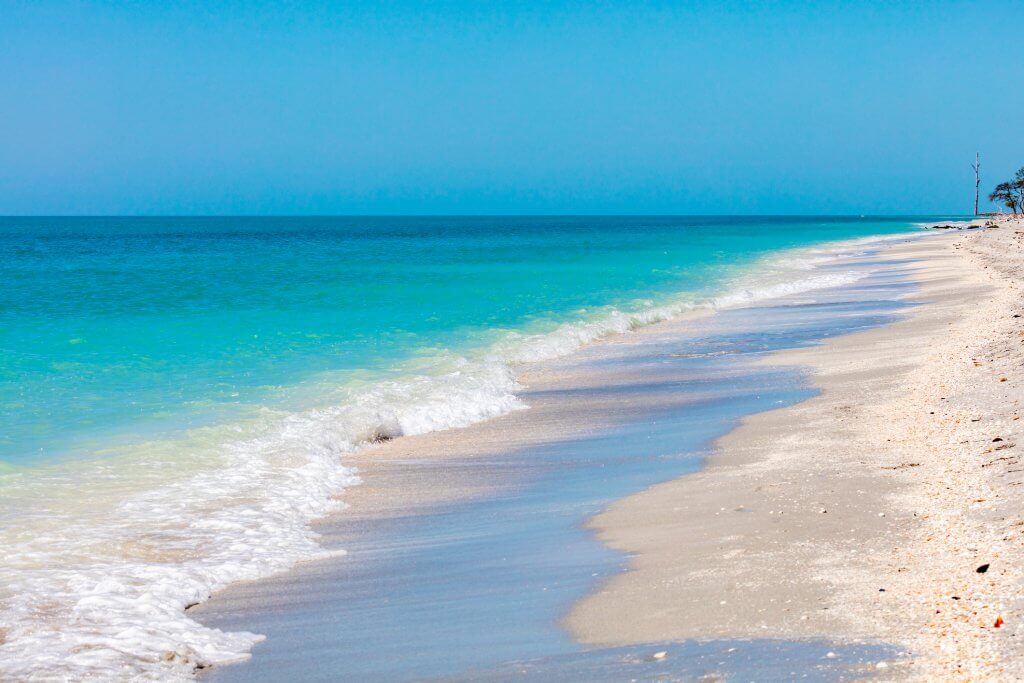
[{"x": 1011, "y": 193}]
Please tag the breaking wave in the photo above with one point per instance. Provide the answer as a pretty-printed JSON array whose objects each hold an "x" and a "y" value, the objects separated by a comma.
[{"x": 98, "y": 585}]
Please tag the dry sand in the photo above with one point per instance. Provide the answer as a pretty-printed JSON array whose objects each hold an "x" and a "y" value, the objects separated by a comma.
[{"x": 866, "y": 512}]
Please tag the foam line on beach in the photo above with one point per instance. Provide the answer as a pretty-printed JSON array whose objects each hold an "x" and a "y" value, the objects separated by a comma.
[{"x": 241, "y": 504}]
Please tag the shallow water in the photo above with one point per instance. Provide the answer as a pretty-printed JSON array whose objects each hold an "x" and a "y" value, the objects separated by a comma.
[
  {"x": 476, "y": 590},
  {"x": 178, "y": 396},
  {"x": 711, "y": 661},
  {"x": 127, "y": 324}
]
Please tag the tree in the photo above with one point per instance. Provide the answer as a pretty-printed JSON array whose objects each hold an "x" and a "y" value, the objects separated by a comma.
[
  {"x": 1018, "y": 185},
  {"x": 977, "y": 178},
  {"x": 1005, "y": 194}
]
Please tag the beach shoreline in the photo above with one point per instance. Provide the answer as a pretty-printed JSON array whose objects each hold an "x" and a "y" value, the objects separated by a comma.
[
  {"x": 881, "y": 510},
  {"x": 232, "y": 492},
  {"x": 626, "y": 380}
]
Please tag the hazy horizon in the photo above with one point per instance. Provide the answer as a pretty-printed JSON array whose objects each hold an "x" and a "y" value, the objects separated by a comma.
[
  {"x": 568, "y": 108},
  {"x": 480, "y": 215}
]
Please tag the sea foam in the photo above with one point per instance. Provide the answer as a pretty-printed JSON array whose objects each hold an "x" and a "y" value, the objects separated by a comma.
[{"x": 99, "y": 586}]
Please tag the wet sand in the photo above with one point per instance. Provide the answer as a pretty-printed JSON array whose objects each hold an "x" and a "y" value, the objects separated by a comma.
[
  {"x": 466, "y": 548},
  {"x": 865, "y": 513}
]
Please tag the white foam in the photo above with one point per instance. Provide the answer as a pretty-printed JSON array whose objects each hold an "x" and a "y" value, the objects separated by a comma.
[
  {"x": 98, "y": 586},
  {"x": 115, "y": 582}
]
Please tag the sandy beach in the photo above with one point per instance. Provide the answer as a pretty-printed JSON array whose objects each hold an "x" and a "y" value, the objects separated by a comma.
[
  {"x": 887, "y": 508},
  {"x": 442, "y": 527}
]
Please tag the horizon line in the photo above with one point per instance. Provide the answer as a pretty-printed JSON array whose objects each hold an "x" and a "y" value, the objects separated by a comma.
[{"x": 504, "y": 215}]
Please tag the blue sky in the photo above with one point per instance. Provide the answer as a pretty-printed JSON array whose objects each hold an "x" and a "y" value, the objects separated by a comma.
[{"x": 515, "y": 107}]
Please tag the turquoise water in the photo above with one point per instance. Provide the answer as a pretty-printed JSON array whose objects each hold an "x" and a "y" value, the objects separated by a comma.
[
  {"x": 111, "y": 324},
  {"x": 177, "y": 395},
  {"x": 476, "y": 589}
]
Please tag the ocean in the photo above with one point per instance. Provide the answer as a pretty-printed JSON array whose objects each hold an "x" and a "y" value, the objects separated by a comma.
[{"x": 177, "y": 395}]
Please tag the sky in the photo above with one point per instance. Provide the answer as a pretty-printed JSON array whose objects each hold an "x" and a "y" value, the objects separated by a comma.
[{"x": 448, "y": 107}]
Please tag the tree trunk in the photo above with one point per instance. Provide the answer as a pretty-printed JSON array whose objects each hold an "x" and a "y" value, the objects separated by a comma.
[{"x": 977, "y": 179}]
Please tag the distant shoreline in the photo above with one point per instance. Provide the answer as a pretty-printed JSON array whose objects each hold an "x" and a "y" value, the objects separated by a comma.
[{"x": 885, "y": 509}]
